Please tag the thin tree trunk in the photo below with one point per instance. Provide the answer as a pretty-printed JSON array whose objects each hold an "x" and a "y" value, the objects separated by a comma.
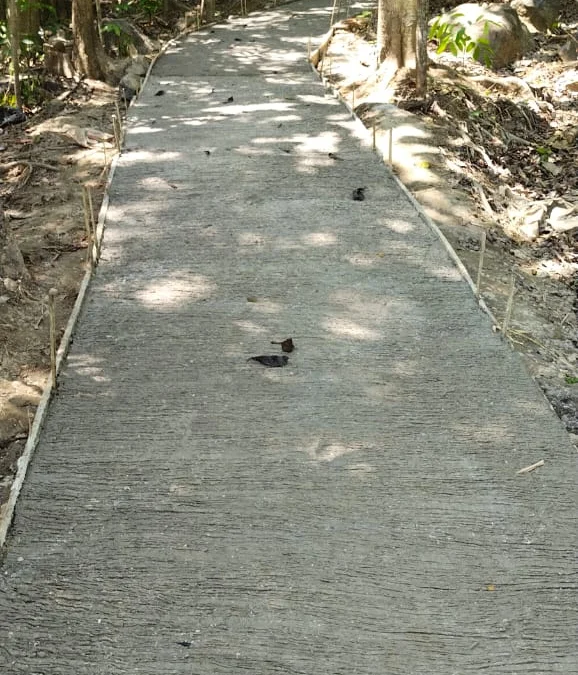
[
  {"x": 396, "y": 32},
  {"x": 421, "y": 52},
  {"x": 210, "y": 10},
  {"x": 12, "y": 10},
  {"x": 89, "y": 55}
]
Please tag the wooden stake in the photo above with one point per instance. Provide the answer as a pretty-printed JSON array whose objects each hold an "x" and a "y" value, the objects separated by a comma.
[
  {"x": 115, "y": 132},
  {"x": 119, "y": 123},
  {"x": 481, "y": 264},
  {"x": 390, "y": 157},
  {"x": 52, "y": 293},
  {"x": 87, "y": 227},
  {"x": 373, "y": 145},
  {"x": 509, "y": 305},
  {"x": 93, "y": 225},
  {"x": 333, "y": 13}
]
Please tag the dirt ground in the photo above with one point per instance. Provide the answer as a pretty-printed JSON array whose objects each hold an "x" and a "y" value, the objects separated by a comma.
[
  {"x": 68, "y": 143},
  {"x": 44, "y": 211}
]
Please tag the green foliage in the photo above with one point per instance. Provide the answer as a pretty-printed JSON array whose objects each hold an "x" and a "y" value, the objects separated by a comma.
[
  {"x": 452, "y": 37},
  {"x": 31, "y": 51},
  {"x": 7, "y": 99},
  {"x": 131, "y": 7},
  {"x": 113, "y": 28},
  {"x": 122, "y": 42},
  {"x": 571, "y": 380}
]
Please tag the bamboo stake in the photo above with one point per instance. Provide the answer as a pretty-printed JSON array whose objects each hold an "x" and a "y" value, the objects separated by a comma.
[
  {"x": 509, "y": 305},
  {"x": 87, "y": 227},
  {"x": 95, "y": 241},
  {"x": 332, "y": 13},
  {"x": 52, "y": 316},
  {"x": 481, "y": 264},
  {"x": 115, "y": 132},
  {"x": 119, "y": 122}
]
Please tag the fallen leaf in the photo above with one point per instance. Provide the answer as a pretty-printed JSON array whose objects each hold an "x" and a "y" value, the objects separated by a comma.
[
  {"x": 286, "y": 345},
  {"x": 270, "y": 360}
]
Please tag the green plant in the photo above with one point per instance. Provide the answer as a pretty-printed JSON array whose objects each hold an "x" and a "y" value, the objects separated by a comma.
[
  {"x": 571, "y": 380},
  {"x": 451, "y": 36},
  {"x": 123, "y": 41},
  {"x": 148, "y": 7}
]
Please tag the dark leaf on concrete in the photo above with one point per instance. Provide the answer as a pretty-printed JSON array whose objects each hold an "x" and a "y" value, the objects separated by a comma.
[
  {"x": 160, "y": 92},
  {"x": 358, "y": 194},
  {"x": 286, "y": 345},
  {"x": 271, "y": 360}
]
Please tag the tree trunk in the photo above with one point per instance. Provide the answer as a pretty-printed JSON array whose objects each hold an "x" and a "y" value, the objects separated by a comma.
[
  {"x": 88, "y": 52},
  {"x": 12, "y": 17},
  {"x": 396, "y": 33},
  {"x": 210, "y": 10},
  {"x": 421, "y": 53}
]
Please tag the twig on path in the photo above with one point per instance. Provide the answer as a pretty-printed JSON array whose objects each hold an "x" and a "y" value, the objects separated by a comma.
[{"x": 527, "y": 469}]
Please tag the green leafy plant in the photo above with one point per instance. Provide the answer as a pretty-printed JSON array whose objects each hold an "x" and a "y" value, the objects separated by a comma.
[
  {"x": 544, "y": 151},
  {"x": 122, "y": 42},
  {"x": 571, "y": 380},
  {"x": 147, "y": 7},
  {"x": 452, "y": 37}
]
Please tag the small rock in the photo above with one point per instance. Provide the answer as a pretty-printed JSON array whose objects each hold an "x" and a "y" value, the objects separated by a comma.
[
  {"x": 11, "y": 285},
  {"x": 567, "y": 51}
]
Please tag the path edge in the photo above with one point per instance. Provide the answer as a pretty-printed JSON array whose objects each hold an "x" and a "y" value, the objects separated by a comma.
[
  {"x": 365, "y": 136},
  {"x": 8, "y": 509},
  {"x": 364, "y": 133}
]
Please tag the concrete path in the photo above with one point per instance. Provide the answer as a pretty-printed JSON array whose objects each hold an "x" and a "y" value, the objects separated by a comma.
[{"x": 355, "y": 512}]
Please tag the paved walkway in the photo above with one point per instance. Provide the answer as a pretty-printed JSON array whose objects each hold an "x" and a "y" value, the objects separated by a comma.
[{"x": 355, "y": 512}]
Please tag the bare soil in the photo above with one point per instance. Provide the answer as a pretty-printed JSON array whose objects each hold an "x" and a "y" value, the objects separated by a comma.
[{"x": 44, "y": 210}]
